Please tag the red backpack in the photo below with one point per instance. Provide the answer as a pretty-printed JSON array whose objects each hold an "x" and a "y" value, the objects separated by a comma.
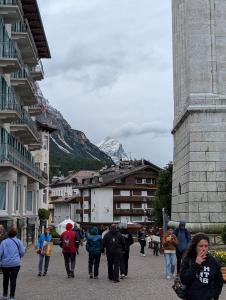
[{"x": 69, "y": 239}]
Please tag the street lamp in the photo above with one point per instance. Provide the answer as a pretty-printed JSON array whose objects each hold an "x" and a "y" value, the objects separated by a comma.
[{"x": 145, "y": 212}]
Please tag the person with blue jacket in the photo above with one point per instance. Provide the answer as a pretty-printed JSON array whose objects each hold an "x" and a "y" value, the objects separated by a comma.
[
  {"x": 44, "y": 237},
  {"x": 11, "y": 251},
  {"x": 94, "y": 247}
]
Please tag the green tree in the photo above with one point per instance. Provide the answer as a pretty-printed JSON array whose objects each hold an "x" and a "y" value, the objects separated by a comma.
[
  {"x": 163, "y": 197},
  {"x": 43, "y": 214}
]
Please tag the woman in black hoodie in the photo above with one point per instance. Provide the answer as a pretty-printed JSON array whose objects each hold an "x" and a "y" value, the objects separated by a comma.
[{"x": 200, "y": 272}]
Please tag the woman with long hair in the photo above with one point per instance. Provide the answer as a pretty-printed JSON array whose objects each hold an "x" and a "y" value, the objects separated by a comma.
[{"x": 200, "y": 272}]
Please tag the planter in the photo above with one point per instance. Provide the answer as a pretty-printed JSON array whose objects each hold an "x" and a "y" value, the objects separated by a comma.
[{"x": 223, "y": 270}]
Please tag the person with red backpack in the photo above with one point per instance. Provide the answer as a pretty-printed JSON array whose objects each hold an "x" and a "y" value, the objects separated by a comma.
[{"x": 69, "y": 249}]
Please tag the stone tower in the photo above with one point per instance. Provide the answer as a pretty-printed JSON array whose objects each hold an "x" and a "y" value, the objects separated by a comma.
[{"x": 199, "y": 129}]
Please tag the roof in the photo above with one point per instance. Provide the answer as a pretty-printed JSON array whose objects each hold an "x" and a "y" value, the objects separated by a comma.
[
  {"x": 110, "y": 177},
  {"x": 78, "y": 175},
  {"x": 63, "y": 200},
  {"x": 32, "y": 14}
]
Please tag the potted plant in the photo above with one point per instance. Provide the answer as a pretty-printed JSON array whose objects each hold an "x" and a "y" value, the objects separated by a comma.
[
  {"x": 220, "y": 255},
  {"x": 56, "y": 237}
]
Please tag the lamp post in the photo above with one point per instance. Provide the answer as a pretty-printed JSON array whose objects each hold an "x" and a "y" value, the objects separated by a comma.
[{"x": 145, "y": 212}]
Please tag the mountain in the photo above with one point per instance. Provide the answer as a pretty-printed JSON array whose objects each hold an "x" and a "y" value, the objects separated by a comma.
[
  {"x": 113, "y": 148},
  {"x": 70, "y": 148}
]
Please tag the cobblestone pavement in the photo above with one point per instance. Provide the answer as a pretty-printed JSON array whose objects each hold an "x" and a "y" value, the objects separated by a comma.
[{"x": 145, "y": 280}]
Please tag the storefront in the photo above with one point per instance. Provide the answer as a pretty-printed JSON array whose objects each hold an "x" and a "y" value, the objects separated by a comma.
[
  {"x": 31, "y": 222},
  {"x": 20, "y": 228}
]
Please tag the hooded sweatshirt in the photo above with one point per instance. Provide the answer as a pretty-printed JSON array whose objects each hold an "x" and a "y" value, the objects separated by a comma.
[
  {"x": 204, "y": 282},
  {"x": 68, "y": 240},
  {"x": 94, "y": 242}
]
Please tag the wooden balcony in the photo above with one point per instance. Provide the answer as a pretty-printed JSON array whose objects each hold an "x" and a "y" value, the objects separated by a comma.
[
  {"x": 11, "y": 11},
  {"x": 129, "y": 212},
  {"x": 130, "y": 199}
]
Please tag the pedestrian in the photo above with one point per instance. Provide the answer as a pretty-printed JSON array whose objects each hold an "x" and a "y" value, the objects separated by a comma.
[
  {"x": 3, "y": 236},
  {"x": 94, "y": 246},
  {"x": 200, "y": 271},
  {"x": 115, "y": 246},
  {"x": 11, "y": 251},
  {"x": 142, "y": 240},
  {"x": 156, "y": 241},
  {"x": 183, "y": 237},
  {"x": 43, "y": 242},
  {"x": 106, "y": 230},
  {"x": 69, "y": 249},
  {"x": 125, "y": 256},
  {"x": 79, "y": 237},
  {"x": 169, "y": 243}
]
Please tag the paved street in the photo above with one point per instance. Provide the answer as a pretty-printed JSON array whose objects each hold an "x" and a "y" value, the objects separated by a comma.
[{"x": 145, "y": 280}]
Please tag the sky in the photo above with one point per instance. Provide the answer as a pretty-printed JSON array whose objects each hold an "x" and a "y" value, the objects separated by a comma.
[{"x": 111, "y": 71}]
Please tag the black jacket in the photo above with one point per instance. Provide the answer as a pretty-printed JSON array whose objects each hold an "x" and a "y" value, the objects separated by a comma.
[
  {"x": 114, "y": 243},
  {"x": 204, "y": 282},
  {"x": 128, "y": 239}
]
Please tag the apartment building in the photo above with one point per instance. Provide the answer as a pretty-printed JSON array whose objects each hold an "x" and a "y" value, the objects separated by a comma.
[
  {"x": 22, "y": 46},
  {"x": 122, "y": 193}
]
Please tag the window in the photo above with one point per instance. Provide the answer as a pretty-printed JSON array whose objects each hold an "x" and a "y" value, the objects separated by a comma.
[
  {"x": 125, "y": 205},
  {"x": 29, "y": 200},
  {"x": 137, "y": 205},
  {"x": 118, "y": 205},
  {"x": 139, "y": 180},
  {"x": 136, "y": 193},
  {"x": 3, "y": 195},
  {"x": 137, "y": 219},
  {"x": 46, "y": 143},
  {"x": 18, "y": 197},
  {"x": 120, "y": 180},
  {"x": 116, "y": 218},
  {"x": 45, "y": 196},
  {"x": 125, "y": 193},
  {"x": 148, "y": 180},
  {"x": 144, "y": 193},
  {"x": 116, "y": 192},
  {"x": 45, "y": 168}
]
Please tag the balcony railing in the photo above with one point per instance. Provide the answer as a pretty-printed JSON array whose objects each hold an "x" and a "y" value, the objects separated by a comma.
[
  {"x": 26, "y": 119},
  {"x": 38, "y": 69},
  {"x": 14, "y": 152},
  {"x": 24, "y": 27},
  {"x": 8, "y": 2},
  {"x": 11, "y": 10}
]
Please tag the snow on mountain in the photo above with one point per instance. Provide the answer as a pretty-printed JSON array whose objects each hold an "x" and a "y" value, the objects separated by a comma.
[{"x": 113, "y": 148}]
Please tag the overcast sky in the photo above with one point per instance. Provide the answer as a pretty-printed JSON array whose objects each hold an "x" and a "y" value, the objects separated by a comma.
[{"x": 111, "y": 71}]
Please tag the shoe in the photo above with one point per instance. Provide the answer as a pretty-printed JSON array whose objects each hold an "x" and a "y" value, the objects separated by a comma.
[
  {"x": 95, "y": 277},
  {"x": 44, "y": 274},
  {"x": 39, "y": 274},
  {"x": 5, "y": 297},
  {"x": 116, "y": 281},
  {"x": 69, "y": 275},
  {"x": 72, "y": 274},
  {"x": 168, "y": 277},
  {"x": 91, "y": 275},
  {"x": 144, "y": 255},
  {"x": 122, "y": 276}
]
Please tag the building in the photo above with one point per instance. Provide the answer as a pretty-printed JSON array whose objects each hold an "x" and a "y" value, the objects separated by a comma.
[
  {"x": 123, "y": 193},
  {"x": 199, "y": 129},
  {"x": 62, "y": 191},
  {"x": 22, "y": 46}
]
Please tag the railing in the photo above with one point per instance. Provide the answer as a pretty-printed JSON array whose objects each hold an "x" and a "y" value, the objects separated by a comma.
[
  {"x": 26, "y": 119},
  {"x": 24, "y": 74},
  {"x": 8, "y": 2},
  {"x": 38, "y": 68},
  {"x": 25, "y": 27},
  {"x": 14, "y": 152}
]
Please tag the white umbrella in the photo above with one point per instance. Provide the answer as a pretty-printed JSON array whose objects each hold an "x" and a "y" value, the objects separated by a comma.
[{"x": 62, "y": 226}]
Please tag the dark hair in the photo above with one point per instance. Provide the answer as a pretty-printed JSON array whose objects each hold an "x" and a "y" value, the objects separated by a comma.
[
  {"x": 191, "y": 252},
  {"x": 12, "y": 232}
]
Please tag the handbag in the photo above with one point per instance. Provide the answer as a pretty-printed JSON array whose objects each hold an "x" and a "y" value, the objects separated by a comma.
[{"x": 179, "y": 288}]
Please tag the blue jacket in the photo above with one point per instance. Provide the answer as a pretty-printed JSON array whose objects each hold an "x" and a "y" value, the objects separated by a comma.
[
  {"x": 43, "y": 238},
  {"x": 94, "y": 242},
  {"x": 10, "y": 254}
]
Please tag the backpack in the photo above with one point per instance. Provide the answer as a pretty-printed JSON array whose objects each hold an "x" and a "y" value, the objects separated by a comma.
[{"x": 67, "y": 243}]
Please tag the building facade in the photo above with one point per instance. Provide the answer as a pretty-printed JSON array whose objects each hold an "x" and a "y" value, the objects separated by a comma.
[
  {"x": 199, "y": 172},
  {"x": 22, "y": 46},
  {"x": 124, "y": 193}
]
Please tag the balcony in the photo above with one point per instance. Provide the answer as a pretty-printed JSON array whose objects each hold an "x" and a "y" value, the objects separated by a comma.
[
  {"x": 14, "y": 154},
  {"x": 35, "y": 110},
  {"x": 10, "y": 57},
  {"x": 11, "y": 11},
  {"x": 37, "y": 72},
  {"x": 25, "y": 129},
  {"x": 22, "y": 34},
  {"x": 129, "y": 212},
  {"x": 10, "y": 109},
  {"x": 24, "y": 86}
]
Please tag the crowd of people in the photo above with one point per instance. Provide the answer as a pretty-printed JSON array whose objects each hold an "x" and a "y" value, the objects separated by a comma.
[{"x": 195, "y": 268}]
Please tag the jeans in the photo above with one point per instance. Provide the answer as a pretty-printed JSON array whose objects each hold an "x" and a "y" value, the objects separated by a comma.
[
  {"x": 69, "y": 260},
  {"x": 10, "y": 274},
  {"x": 46, "y": 265},
  {"x": 113, "y": 266},
  {"x": 142, "y": 245},
  {"x": 124, "y": 263},
  {"x": 170, "y": 262},
  {"x": 179, "y": 255},
  {"x": 94, "y": 259}
]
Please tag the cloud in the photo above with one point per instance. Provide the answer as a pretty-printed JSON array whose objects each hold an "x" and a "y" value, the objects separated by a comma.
[{"x": 131, "y": 129}]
